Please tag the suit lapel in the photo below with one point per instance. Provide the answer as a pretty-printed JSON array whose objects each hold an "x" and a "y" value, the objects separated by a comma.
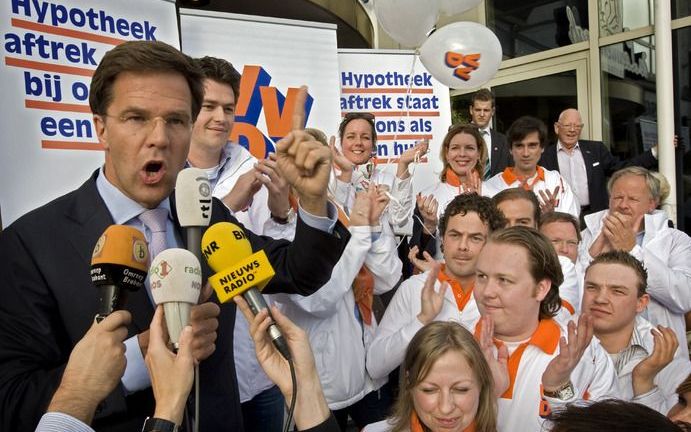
[
  {"x": 91, "y": 217},
  {"x": 588, "y": 158}
]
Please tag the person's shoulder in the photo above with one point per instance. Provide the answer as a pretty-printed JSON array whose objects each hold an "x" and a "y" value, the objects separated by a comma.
[{"x": 382, "y": 426}]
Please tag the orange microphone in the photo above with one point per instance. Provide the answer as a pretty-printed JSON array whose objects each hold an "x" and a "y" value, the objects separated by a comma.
[{"x": 119, "y": 264}]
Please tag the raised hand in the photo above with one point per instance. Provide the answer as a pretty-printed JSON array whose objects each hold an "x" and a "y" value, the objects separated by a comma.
[
  {"x": 558, "y": 371},
  {"x": 665, "y": 345},
  {"x": 240, "y": 197},
  {"x": 267, "y": 172},
  {"x": 379, "y": 199},
  {"x": 428, "y": 206},
  {"x": 431, "y": 301},
  {"x": 549, "y": 200},
  {"x": 424, "y": 264},
  {"x": 408, "y": 156},
  {"x": 342, "y": 163},
  {"x": 171, "y": 374},
  {"x": 498, "y": 364},
  {"x": 305, "y": 162},
  {"x": 620, "y": 231}
]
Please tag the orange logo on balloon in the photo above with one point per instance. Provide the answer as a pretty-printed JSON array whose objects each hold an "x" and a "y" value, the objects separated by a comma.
[{"x": 462, "y": 65}]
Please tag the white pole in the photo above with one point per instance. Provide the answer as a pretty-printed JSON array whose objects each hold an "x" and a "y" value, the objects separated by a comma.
[{"x": 665, "y": 101}]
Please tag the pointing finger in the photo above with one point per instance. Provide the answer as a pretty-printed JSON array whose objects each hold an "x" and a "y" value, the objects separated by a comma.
[{"x": 299, "y": 110}]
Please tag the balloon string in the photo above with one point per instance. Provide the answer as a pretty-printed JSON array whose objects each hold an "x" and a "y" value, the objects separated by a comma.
[{"x": 408, "y": 92}]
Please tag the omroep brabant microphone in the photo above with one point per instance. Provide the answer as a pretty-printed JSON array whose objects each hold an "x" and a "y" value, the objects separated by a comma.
[
  {"x": 193, "y": 205},
  {"x": 239, "y": 271},
  {"x": 118, "y": 265},
  {"x": 175, "y": 278}
]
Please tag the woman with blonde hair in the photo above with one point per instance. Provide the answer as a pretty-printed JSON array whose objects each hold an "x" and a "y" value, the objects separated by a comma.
[{"x": 446, "y": 385}]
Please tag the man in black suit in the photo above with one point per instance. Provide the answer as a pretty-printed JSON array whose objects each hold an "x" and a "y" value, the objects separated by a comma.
[
  {"x": 145, "y": 97},
  {"x": 584, "y": 164},
  {"x": 481, "y": 112}
]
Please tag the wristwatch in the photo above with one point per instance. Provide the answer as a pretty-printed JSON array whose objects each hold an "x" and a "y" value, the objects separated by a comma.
[
  {"x": 153, "y": 424},
  {"x": 564, "y": 392}
]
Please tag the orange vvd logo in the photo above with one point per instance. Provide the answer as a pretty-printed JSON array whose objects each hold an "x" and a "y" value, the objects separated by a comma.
[{"x": 461, "y": 64}]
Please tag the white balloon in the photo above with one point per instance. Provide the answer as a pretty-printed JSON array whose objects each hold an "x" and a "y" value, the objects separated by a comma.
[
  {"x": 407, "y": 21},
  {"x": 453, "y": 7},
  {"x": 462, "y": 55}
]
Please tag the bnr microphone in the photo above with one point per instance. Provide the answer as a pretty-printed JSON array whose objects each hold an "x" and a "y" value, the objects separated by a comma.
[
  {"x": 118, "y": 265},
  {"x": 193, "y": 206},
  {"x": 175, "y": 278},
  {"x": 239, "y": 271}
]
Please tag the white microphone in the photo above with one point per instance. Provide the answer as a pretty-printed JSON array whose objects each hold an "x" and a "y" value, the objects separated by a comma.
[
  {"x": 193, "y": 206},
  {"x": 175, "y": 278}
]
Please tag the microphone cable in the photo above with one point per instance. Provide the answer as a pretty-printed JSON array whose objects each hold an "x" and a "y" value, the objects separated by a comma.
[{"x": 293, "y": 398}]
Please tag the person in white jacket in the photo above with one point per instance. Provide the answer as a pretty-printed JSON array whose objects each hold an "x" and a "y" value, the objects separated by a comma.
[
  {"x": 444, "y": 294},
  {"x": 334, "y": 321},
  {"x": 647, "y": 360},
  {"x": 258, "y": 196},
  {"x": 633, "y": 225},
  {"x": 357, "y": 167},
  {"x": 549, "y": 364},
  {"x": 527, "y": 138}
]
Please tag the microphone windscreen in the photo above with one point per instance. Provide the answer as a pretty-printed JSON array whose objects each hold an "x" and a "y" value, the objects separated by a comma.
[
  {"x": 120, "y": 258},
  {"x": 175, "y": 276},
  {"x": 224, "y": 244},
  {"x": 193, "y": 197}
]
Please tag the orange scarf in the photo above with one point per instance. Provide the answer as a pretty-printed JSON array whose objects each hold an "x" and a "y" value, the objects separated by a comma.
[
  {"x": 363, "y": 284},
  {"x": 462, "y": 297},
  {"x": 416, "y": 425},
  {"x": 452, "y": 179},
  {"x": 510, "y": 177}
]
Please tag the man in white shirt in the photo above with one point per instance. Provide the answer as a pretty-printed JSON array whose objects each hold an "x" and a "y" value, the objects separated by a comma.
[
  {"x": 633, "y": 225},
  {"x": 482, "y": 111},
  {"x": 647, "y": 360},
  {"x": 442, "y": 294},
  {"x": 548, "y": 365},
  {"x": 527, "y": 137},
  {"x": 584, "y": 164}
]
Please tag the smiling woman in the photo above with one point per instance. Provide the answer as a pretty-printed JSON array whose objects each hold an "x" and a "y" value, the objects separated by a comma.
[{"x": 446, "y": 385}]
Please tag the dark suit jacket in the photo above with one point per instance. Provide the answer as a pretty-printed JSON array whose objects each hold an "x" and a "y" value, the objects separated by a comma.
[
  {"x": 501, "y": 156},
  {"x": 48, "y": 304},
  {"x": 599, "y": 165}
]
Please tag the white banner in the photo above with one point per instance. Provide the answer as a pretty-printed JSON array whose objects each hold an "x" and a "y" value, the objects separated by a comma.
[
  {"x": 275, "y": 57},
  {"x": 51, "y": 49},
  {"x": 408, "y": 107}
]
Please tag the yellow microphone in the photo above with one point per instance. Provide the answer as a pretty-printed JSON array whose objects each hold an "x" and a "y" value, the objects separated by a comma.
[
  {"x": 239, "y": 271},
  {"x": 119, "y": 264}
]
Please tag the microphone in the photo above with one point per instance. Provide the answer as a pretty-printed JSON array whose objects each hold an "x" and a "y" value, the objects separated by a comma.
[
  {"x": 175, "y": 278},
  {"x": 240, "y": 272},
  {"x": 193, "y": 206},
  {"x": 118, "y": 265}
]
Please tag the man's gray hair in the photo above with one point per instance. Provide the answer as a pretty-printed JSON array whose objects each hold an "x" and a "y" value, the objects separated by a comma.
[{"x": 650, "y": 180}]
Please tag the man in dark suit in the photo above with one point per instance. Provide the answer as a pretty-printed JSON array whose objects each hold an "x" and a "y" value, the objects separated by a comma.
[
  {"x": 145, "y": 97},
  {"x": 481, "y": 112},
  {"x": 584, "y": 164}
]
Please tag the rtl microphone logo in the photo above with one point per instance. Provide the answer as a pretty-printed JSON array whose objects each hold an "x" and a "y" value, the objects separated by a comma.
[{"x": 205, "y": 193}]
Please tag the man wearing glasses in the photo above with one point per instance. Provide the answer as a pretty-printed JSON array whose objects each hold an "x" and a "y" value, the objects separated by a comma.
[{"x": 584, "y": 164}]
